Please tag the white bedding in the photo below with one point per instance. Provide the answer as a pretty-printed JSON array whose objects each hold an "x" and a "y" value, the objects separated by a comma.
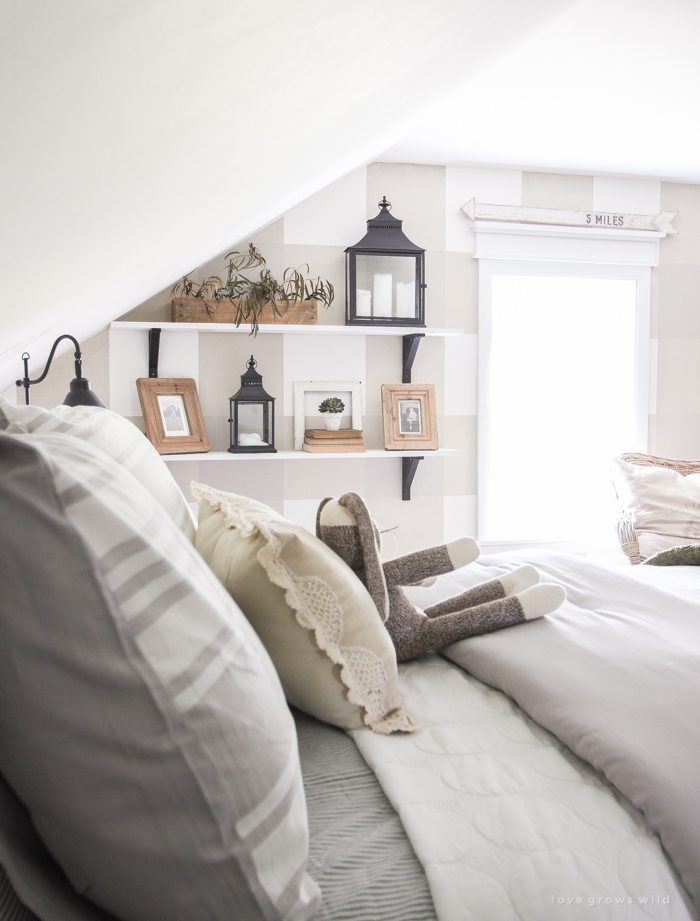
[
  {"x": 681, "y": 580},
  {"x": 506, "y": 821}
]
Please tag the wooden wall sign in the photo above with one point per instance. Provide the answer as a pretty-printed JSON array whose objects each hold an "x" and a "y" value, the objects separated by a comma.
[{"x": 614, "y": 221}]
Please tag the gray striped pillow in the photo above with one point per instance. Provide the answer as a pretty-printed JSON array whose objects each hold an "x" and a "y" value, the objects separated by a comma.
[
  {"x": 141, "y": 720},
  {"x": 114, "y": 435}
]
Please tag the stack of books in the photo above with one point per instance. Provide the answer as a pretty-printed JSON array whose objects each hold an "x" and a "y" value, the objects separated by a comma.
[{"x": 343, "y": 441}]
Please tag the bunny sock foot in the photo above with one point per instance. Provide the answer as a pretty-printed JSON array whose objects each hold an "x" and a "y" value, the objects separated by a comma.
[
  {"x": 541, "y": 599},
  {"x": 519, "y": 579},
  {"x": 510, "y": 584}
]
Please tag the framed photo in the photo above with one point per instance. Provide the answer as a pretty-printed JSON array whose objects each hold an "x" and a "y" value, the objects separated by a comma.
[
  {"x": 409, "y": 415},
  {"x": 301, "y": 388},
  {"x": 173, "y": 415}
]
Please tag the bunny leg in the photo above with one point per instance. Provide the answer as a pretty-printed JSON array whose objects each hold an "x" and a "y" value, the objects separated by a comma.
[
  {"x": 480, "y": 594},
  {"x": 530, "y": 604},
  {"x": 415, "y": 567},
  {"x": 414, "y": 634},
  {"x": 509, "y": 584},
  {"x": 484, "y": 618}
]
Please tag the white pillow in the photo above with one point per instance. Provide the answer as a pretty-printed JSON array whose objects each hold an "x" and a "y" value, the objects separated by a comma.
[
  {"x": 117, "y": 437},
  {"x": 664, "y": 505},
  {"x": 650, "y": 543}
]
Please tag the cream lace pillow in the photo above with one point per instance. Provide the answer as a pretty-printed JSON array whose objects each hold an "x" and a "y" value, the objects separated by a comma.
[{"x": 317, "y": 621}]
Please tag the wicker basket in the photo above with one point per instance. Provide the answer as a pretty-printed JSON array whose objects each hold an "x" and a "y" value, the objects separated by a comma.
[{"x": 648, "y": 460}]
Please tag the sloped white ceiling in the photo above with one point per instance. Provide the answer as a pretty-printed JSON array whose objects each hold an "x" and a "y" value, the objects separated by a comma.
[
  {"x": 610, "y": 86},
  {"x": 141, "y": 137}
]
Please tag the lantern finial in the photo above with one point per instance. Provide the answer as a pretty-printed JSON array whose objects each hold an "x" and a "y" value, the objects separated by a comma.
[{"x": 384, "y": 204}]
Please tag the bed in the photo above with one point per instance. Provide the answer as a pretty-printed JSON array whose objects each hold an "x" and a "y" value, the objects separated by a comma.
[
  {"x": 507, "y": 822},
  {"x": 551, "y": 776}
]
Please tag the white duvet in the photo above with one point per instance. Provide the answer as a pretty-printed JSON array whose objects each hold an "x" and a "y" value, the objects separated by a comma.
[{"x": 508, "y": 823}]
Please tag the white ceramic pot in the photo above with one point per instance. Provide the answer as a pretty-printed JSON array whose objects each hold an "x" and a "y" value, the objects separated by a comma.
[{"x": 332, "y": 421}]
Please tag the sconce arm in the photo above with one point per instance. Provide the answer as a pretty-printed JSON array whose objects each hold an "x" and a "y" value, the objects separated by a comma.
[{"x": 27, "y": 383}]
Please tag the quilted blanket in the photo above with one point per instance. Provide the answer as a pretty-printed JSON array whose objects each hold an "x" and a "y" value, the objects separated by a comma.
[{"x": 507, "y": 823}]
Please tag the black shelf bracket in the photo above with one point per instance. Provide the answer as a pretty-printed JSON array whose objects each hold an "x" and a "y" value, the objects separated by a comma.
[
  {"x": 409, "y": 465},
  {"x": 410, "y": 347},
  {"x": 153, "y": 351}
]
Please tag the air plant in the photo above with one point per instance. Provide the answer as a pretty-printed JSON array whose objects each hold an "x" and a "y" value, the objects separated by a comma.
[{"x": 249, "y": 296}]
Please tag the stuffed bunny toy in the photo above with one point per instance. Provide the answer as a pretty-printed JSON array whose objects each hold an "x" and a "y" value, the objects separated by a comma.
[{"x": 346, "y": 527}]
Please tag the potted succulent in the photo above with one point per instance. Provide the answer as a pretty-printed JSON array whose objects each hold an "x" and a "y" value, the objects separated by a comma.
[
  {"x": 332, "y": 411},
  {"x": 244, "y": 299}
]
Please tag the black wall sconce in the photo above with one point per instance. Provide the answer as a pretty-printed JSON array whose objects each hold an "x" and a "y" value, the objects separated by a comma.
[
  {"x": 385, "y": 276},
  {"x": 80, "y": 394},
  {"x": 252, "y": 416}
]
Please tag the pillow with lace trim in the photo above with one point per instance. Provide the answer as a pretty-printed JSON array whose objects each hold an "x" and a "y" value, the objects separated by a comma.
[{"x": 316, "y": 619}]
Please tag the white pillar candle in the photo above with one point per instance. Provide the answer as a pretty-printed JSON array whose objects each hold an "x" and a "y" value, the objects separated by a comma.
[
  {"x": 382, "y": 295},
  {"x": 406, "y": 299},
  {"x": 363, "y": 303}
]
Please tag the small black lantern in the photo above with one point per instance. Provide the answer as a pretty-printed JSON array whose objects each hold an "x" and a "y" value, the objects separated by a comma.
[
  {"x": 385, "y": 276},
  {"x": 252, "y": 416}
]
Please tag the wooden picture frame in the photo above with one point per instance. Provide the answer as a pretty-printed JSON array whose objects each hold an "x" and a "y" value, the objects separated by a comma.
[
  {"x": 173, "y": 415},
  {"x": 303, "y": 387},
  {"x": 409, "y": 415}
]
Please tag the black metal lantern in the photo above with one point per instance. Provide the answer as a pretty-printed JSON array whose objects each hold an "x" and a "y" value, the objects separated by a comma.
[
  {"x": 252, "y": 416},
  {"x": 385, "y": 276}
]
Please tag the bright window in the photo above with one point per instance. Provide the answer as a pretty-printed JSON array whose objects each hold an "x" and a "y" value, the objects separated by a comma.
[{"x": 561, "y": 394}]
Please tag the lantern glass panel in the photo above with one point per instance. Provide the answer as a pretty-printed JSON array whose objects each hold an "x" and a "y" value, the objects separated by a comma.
[
  {"x": 253, "y": 419},
  {"x": 386, "y": 285}
]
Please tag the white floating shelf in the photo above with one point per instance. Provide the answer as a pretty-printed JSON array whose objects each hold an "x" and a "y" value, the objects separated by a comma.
[
  {"x": 307, "y": 455},
  {"x": 288, "y": 329}
]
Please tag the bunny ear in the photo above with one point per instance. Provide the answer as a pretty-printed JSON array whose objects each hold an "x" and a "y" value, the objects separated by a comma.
[
  {"x": 374, "y": 571},
  {"x": 318, "y": 515}
]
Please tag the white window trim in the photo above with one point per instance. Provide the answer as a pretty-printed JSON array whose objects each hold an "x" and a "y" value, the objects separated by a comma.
[
  {"x": 555, "y": 243},
  {"x": 522, "y": 265}
]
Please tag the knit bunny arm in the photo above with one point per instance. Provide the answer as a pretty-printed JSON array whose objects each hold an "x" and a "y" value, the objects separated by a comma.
[{"x": 413, "y": 568}]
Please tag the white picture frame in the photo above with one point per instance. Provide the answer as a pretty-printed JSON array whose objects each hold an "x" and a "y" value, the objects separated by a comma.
[{"x": 303, "y": 387}]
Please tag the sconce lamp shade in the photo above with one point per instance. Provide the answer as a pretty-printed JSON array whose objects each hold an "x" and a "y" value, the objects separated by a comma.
[
  {"x": 252, "y": 416},
  {"x": 385, "y": 276},
  {"x": 80, "y": 394}
]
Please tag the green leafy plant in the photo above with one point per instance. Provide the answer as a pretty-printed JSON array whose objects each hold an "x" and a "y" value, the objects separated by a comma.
[
  {"x": 331, "y": 405},
  {"x": 249, "y": 295}
]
